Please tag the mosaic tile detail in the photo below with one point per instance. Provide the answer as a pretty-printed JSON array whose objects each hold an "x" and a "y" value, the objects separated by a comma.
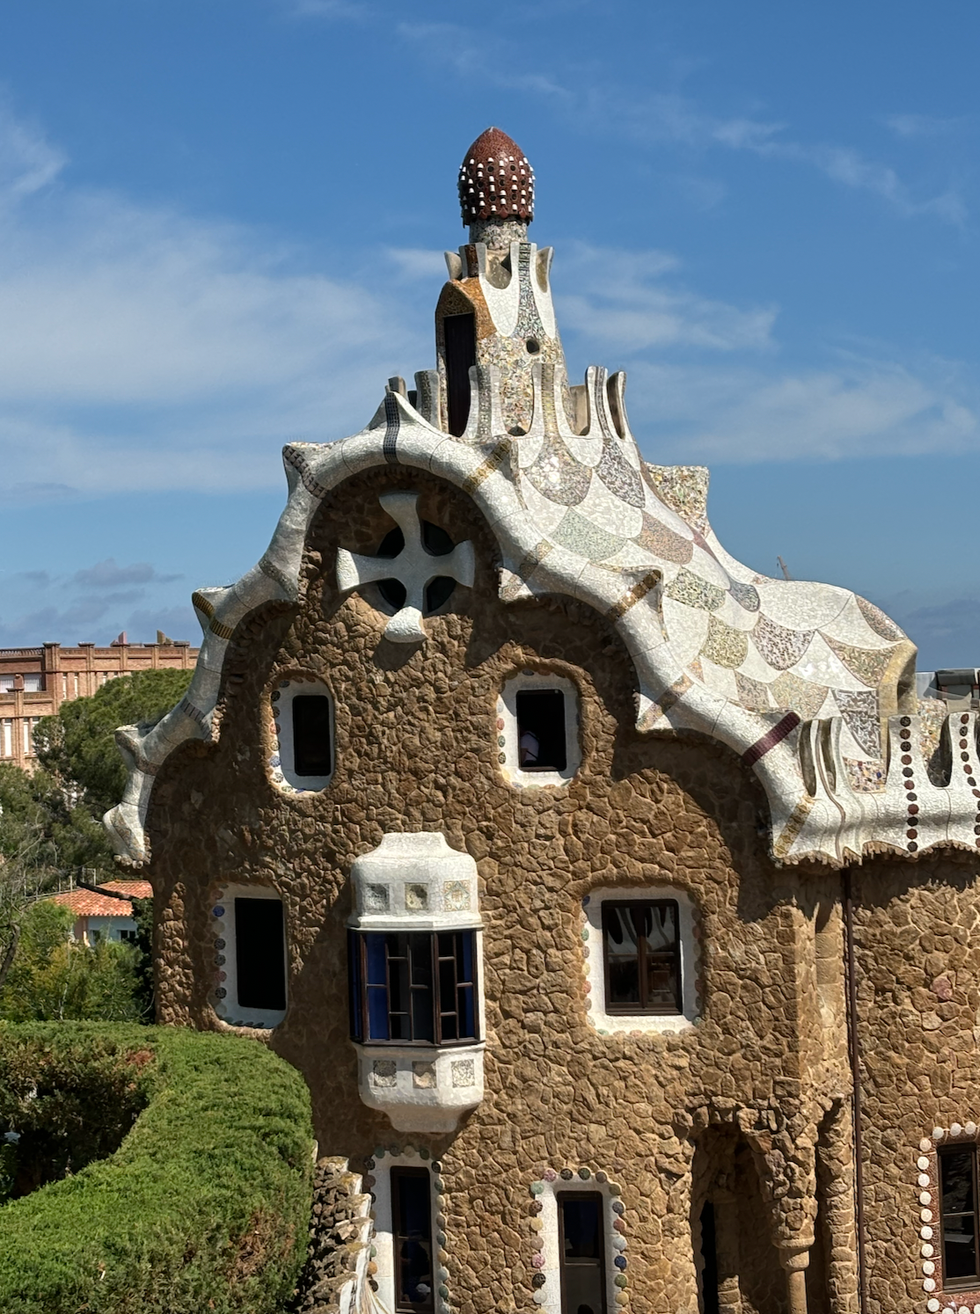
[
  {"x": 746, "y": 595},
  {"x": 384, "y": 1073},
  {"x": 557, "y": 475},
  {"x": 725, "y": 646},
  {"x": 779, "y": 646},
  {"x": 416, "y": 898},
  {"x": 269, "y": 568},
  {"x": 684, "y": 488},
  {"x": 860, "y": 712},
  {"x": 456, "y": 896},
  {"x": 376, "y": 898},
  {"x": 393, "y": 420},
  {"x": 619, "y": 476},
  {"x": 547, "y": 398},
  {"x": 931, "y": 719},
  {"x": 787, "y": 836},
  {"x": 529, "y": 564},
  {"x": 775, "y": 735},
  {"x": 528, "y": 320},
  {"x": 801, "y": 695},
  {"x": 663, "y": 542},
  {"x": 752, "y": 694},
  {"x": 580, "y": 535},
  {"x": 668, "y": 699},
  {"x": 424, "y": 1076},
  {"x": 693, "y": 591},
  {"x": 881, "y": 624},
  {"x": 497, "y": 458},
  {"x": 696, "y": 669},
  {"x": 639, "y": 590},
  {"x": 865, "y": 776},
  {"x": 463, "y": 1072},
  {"x": 868, "y": 665},
  {"x": 292, "y": 457}
]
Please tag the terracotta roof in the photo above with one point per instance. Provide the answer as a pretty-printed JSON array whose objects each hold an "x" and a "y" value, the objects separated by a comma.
[
  {"x": 495, "y": 180},
  {"x": 88, "y": 903}
]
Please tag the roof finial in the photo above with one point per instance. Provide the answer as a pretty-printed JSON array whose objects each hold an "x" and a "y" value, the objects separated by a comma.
[{"x": 496, "y": 189}]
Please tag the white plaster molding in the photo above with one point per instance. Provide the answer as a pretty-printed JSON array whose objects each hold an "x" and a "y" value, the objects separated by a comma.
[
  {"x": 404, "y": 1157},
  {"x": 226, "y": 1004},
  {"x": 282, "y": 766},
  {"x": 546, "y": 1259}
]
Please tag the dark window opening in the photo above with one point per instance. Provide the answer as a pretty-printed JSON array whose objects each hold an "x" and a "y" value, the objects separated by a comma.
[
  {"x": 460, "y": 340},
  {"x": 312, "y": 754},
  {"x": 415, "y": 988},
  {"x": 581, "y": 1249},
  {"x": 958, "y": 1186},
  {"x": 435, "y": 540},
  {"x": 260, "y": 954},
  {"x": 642, "y": 956},
  {"x": 393, "y": 592},
  {"x": 411, "y": 1227},
  {"x": 392, "y": 543},
  {"x": 709, "y": 1261},
  {"x": 438, "y": 591},
  {"x": 541, "y": 742}
]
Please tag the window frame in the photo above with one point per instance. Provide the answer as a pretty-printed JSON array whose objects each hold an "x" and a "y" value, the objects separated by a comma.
[
  {"x": 396, "y": 1172},
  {"x": 282, "y": 762},
  {"x": 224, "y": 929},
  {"x": 507, "y": 737},
  {"x": 643, "y": 1009},
  {"x": 970, "y": 1282},
  {"x": 359, "y": 988},
  {"x": 561, "y": 1197}
]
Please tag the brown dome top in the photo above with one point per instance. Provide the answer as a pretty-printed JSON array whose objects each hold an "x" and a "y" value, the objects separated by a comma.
[{"x": 495, "y": 180}]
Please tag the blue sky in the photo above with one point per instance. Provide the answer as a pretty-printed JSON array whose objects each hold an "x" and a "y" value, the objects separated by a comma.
[{"x": 221, "y": 227}]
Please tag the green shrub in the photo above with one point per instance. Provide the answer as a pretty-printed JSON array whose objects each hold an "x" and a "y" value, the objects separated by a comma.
[{"x": 204, "y": 1207}]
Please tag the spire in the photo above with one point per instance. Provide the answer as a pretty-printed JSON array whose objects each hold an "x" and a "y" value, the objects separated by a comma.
[{"x": 496, "y": 184}]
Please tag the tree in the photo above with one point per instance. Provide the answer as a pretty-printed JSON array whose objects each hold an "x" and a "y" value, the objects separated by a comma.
[{"x": 77, "y": 746}]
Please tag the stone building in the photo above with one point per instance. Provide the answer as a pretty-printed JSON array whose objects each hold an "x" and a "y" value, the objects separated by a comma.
[
  {"x": 34, "y": 682},
  {"x": 618, "y": 903}
]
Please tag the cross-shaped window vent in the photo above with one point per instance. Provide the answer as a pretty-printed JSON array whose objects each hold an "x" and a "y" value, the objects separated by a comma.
[{"x": 415, "y": 569}]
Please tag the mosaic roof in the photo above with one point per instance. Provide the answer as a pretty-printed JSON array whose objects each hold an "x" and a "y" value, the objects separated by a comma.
[{"x": 495, "y": 180}]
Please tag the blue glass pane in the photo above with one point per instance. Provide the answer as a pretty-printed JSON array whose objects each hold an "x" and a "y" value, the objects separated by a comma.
[
  {"x": 467, "y": 1018},
  {"x": 376, "y": 965},
  {"x": 377, "y": 1014}
]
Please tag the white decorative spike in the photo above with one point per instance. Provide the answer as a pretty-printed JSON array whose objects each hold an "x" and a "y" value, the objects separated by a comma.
[{"x": 414, "y": 567}]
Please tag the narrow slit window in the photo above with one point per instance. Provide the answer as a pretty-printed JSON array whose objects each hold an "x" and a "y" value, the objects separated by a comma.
[
  {"x": 312, "y": 753},
  {"x": 642, "y": 956},
  {"x": 460, "y": 340},
  {"x": 541, "y": 737},
  {"x": 413, "y": 988},
  {"x": 581, "y": 1251},
  {"x": 411, "y": 1226},
  {"x": 260, "y": 954},
  {"x": 958, "y": 1185}
]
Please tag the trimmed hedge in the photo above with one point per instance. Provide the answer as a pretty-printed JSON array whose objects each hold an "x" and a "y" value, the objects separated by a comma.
[{"x": 205, "y": 1205}]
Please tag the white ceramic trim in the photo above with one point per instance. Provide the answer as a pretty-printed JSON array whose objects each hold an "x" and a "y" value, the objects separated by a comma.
[
  {"x": 547, "y": 1259},
  {"x": 281, "y": 764},
  {"x": 929, "y": 1259},
  {"x": 507, "y": 732},
  {"x": 594, "y": 964},
  {"x": 223, "y": 928},
  {"x": 383, "y": 1234}
]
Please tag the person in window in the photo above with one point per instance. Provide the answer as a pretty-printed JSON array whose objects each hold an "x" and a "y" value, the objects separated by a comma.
[
  {"x": 415, "y": 1269},
  {"x": 530, "y": 748}
]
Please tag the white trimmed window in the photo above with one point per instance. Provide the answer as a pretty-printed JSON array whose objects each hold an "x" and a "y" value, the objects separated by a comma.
[
  {"x": 640, "y": 959},
  {"x": 538, "y": 729},
  {"x": 302, "y": 713},
  {"x": 582, "y": 1250},
  {"x": 405, "y": 1235},
  {"x": 250, "y": 956}
]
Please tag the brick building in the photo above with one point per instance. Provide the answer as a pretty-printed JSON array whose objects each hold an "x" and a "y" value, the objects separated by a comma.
[
  {"x": 34, "y": 682},
  {"x": 619, "y": 903}
]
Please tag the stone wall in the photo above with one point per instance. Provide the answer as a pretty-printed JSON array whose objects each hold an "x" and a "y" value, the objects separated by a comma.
[{"x": 751, "y": 1099}]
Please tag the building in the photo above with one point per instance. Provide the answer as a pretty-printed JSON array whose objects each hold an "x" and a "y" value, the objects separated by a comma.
[
  {"x": 105, "y": 913},
  {"x": 619, "y": 904},
  {"x": 34, "y": 682}
]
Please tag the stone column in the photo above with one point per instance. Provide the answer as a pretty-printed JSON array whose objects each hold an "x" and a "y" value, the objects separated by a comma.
[{"x": 794, "y": 1257}]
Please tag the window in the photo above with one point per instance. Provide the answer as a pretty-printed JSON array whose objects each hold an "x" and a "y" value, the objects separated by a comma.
[
  {"x": 537, "y": 729},
  {"x": 411, "y": 1227},
  {"x": 581, "y": 1251},
  {"x": 642, "y": 956},
  {"x": 460, "y": 349},
  {"x": 7, "y": 737},
  {"x": 541, "y": 730},
  {"x": 413, "y": 988},
  {"x": 130, "y": 937},
  {"x": 260, "y": 956},
  {"x": 250, "y": 956},
  {"x": 958, "y": 1187},
  {"x": 312, "y": 754},
  {"x": 302, "y": 714}
]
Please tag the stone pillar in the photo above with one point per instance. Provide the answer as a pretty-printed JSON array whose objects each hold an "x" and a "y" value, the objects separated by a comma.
[
  {"x": 794, "y": 1257},
  {"x": 726, "y": 1253},
  {"x": 835, "y": 1162}
]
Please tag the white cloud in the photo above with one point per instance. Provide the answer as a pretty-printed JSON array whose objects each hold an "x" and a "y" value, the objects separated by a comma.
[
  {"x": 923, "y": 125},
  {"x": 146, "y": 349}
]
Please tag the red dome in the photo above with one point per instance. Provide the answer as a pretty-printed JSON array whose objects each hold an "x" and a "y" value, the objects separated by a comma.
[{"x": 495, "y": 180}]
